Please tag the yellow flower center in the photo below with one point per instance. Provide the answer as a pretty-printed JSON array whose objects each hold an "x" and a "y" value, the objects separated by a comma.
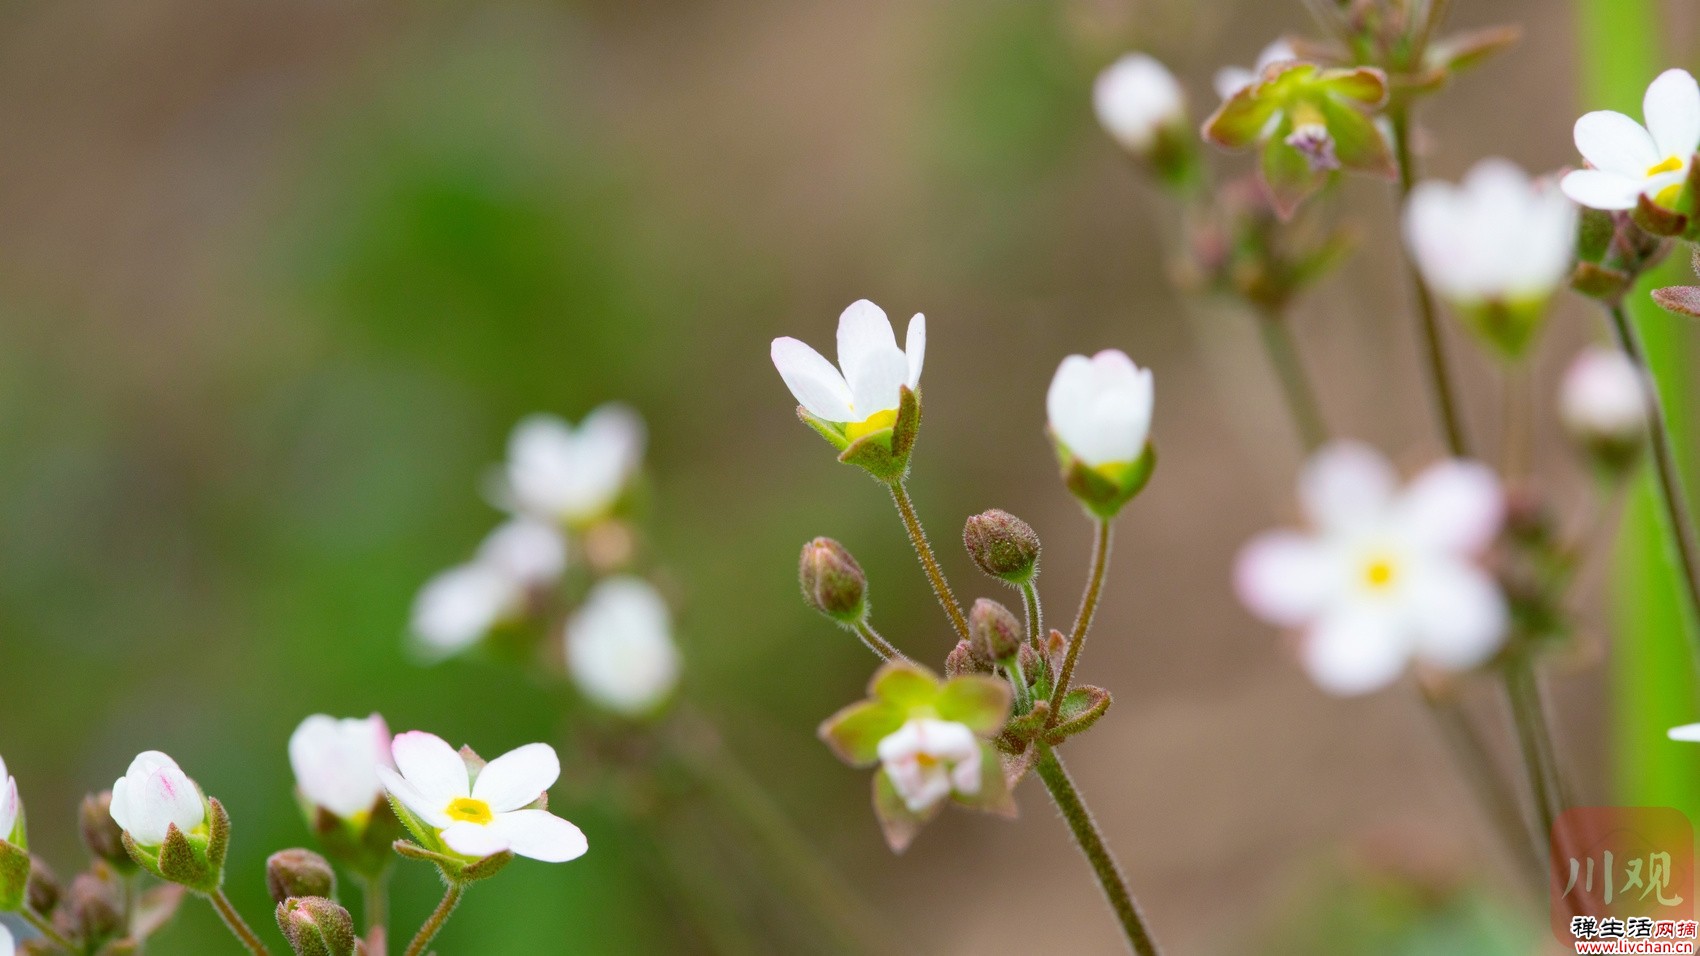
[
  {"x": 1670, "y": 165},
  {"x": 926, "y": 760},
  {"x": 877, "y": 422},
  {"x": 1380, "y": 573},
  {"x": 468, "y": 810}
]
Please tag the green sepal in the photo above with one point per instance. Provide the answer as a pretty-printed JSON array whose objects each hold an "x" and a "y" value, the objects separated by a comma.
[
  {"x": 1358, "y": 142},
  {"x": 1466, "y": 50},
  {"x": 1241, "y": 119},
  {"x": 361, "y": 845},
  {"x": 1081, "y": 708},
  {"x": 994, "y": 795},
  {"x": 1595, "y": 230},
  {"x": 833, "y": 432},
  {"x": 885, "y": 453},
  {"x": 14, "y": 876},
  {"x": 457, "y": 869},
  {"x": 1656, "y": 220},
  {"x": 315, "y": 926},
  {"x": 181, "y": 859},
  {"x": 897, "y": 821},
  {"x": 904, "y": 684},
  {"x": 1104, "y": 494},
  {"x": 1025, "y": 727},
  {"x": 855, "y": 732},
  {"x": 423, "y": 833},
  {"x": 1364, "y": 85},
  {"x": 978, "y": 702},
  {"x": 1600, "y": 282},
  {"x": 1507, "y": 328}
]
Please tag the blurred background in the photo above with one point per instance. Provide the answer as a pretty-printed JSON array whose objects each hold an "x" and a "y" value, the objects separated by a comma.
[{"x": 277, "y": 279}]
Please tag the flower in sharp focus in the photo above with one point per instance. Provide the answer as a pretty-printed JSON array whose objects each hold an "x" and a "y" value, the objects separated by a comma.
[
  {"x": 570, "y": 476},
  {"x": 1495, "y": 247},
  {"x": 1099, "y": 414},
  {"x": 155, "y": 795},
  {"x": 1603, "y": 404},
  {"x": 479, "y": 810},
  {"x": 458, "y": 607},
  {"x": 619, "y": 647},
  {"x": 1387, "y": 575},
  {"x": 1628, "y": 161},
  {"x": 1231, "y": 79},
  {"x": 336, "y": 763}
]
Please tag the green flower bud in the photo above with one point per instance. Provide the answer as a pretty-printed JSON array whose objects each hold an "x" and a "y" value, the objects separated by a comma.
[
  {"x": 1002, "y": 545},
  {"x": 102, "y": 834},
  {"x": 299, "y": 872},
  {"x": 833, "y": 583},
  {"x": 316, "y": 926},
  {"x": 994, "y": 633}
]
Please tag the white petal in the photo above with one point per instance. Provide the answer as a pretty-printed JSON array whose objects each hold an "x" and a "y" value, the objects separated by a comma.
[
  {"x": 432, "y": 766},
  {"x": 1231, "y": 79},
  {"x": 1459, "y": 614},
  {"x": 166, "y": 798},
  {"x": 474, "y": 839},
  {"x": 455, "y": 609},
  {"x": 815, "y": 383},
  {"x": 1346, "y": 486},
  {"x": 1672, "y": 110},
  {"x": 518, "y": 777},
  {"x": 1603, "y": 395},
  {"x": 1687, "y": 732},
  {"x": 527, "y": 551},
  {"x": 121, "y": 814},
  {"x": 11, "y": 804},
  {"x": 429, "y": 810},
  {"x": 915, "y": 348},
  {"x": 1135, "y": 97},
  {"x": 1455, "y": 505},
  {"x": 619, "y": 646},
  {"x": 540, "y": 835},
  {"x": 7, "y": 947},
  {"x": 874, "y": 367},
  {"x": 1100, "y": 408},
  {"x": 336, "y": 761},
  {"x": 1598, "y": 189},
  {"x": 1356, "y": 649},
  {"x": 1286, "y": 578},
  {"x": 1615, "y": 143}
]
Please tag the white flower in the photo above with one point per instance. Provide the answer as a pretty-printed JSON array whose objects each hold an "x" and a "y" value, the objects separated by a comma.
[
  {"x": 7, "y": 947},
  {"x": 455, "y": 609},
  {"x": 11, "y": 805},
  {"x": 561, "y": 474},
  {"x": 620, "y": 646},
  {"x": 1603, "y": 396},
  {"x": 928, "y": 760},
  {"x": 865, "y": 395},
  {"x": 1135, "y": 98},
  {"x": 336, "y": 762},
  {"x": 1688, "y": 733},
  {"x": 1496, "y": 237},
  {"x": 487, "y": 813},
  {"x": 1100, "y": 408},
  {"x": 1388, "y": 575},
  {"x": 1629, "y": 161},
  {"x": 1232, "y": 79},
  {"x": 154, "y": 795}
]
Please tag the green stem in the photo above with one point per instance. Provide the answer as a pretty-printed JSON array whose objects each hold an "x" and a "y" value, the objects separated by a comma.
[
  {"x": 1035, "y": 615},
  {"x": 434, "y": 923},
  {"x": 879, "y": 645},
  {"x": 924, "y": 551},
  {"x": 1434, "y": 348},
  {"x": 45, "y": 926},
  {"x": 1295, "y": 384},
  {"x": 1063, "y": 793},
  {"x": 1522, "y": 692},
  {"x": 1478, "y": 767},
  {"x": 233, "y": 920},
  {"x": 1083, "y": 620},
  {"x": 377, "y": 890}
]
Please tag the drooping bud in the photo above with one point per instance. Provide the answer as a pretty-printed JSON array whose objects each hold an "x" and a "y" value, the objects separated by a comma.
[
  {"x": 1002, "y": 545},
  {"x": 1604, "y": 407},
  {"x": 833, "y": 583},
  {"x": 95, "y": 906},
  {"x": 102, "y": 834},
  {"x": 994, "y": 632},
  {"x": 299, "y": 872},
  {"x": 315, "y": 926}
]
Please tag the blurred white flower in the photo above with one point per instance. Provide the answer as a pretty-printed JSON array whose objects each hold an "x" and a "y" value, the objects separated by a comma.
[
  {"x": 458, "y": 607},
  {"x": 11, "y": 805},
  {"x": 1099, "y": 408},
  {"x": 928, "y": 760},
  {"x": 1630, "y": 161},
  {"x": 336, "y": 762},
  {"x": 153, "y": 795},
  {"x": 1688, "y": 733},
  {"x": 619, "y": 646},
  {"x": 865, "y": 395},
  {"x": 7, "y": 947},
  {"x": 493, "y": 813},
  {"x": 1603, "y": 398},
  {"x": 572, "y": 476},
  {"x": 1232, "y": 79},
  {"x": 1496, "y": 237},
  {"x": 1387, "y": 575},
  {"x": 1135, "y": 98}
]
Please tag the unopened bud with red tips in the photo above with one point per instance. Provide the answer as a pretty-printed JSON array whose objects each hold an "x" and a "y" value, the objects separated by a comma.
[
  {"x": 833, "y": 583},
  {"x": 994, "y": 632},
  {"x": 171, "y": 828},
  {"x": 316, "y": 926},
  {"x": 961, "y": 660},
  {"x": 1604, "y": 407},
  {"x": 299, "y": 872},
  {"x": 1002, "y": 545}
]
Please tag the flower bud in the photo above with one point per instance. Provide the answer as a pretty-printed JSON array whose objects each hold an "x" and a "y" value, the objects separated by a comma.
[
  {"x": 102, "y": 834},
  {"x": 961, "y": 660},
  {"x": 1002, "y": 545},
  {"x": 43, "y": 888},
  {"x": 833, "y": 583},
  {"x": 299, "y": 872},
  {"x": 1141, "y": 105},
  {"x": 95, "y": 907},
  {"x": 1033, "y": 664},
  {"x": 994, "y": 633},
  {"x": 315, "y": 926},
  {"x": 1604, "y": 407}
]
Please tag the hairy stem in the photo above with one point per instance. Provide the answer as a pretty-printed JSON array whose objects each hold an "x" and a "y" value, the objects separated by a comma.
[
  {"x": 1035, "y": 614},
  {"x": 1063, "y": 793},
  {"x": 377, "y": 892},
  {"x": 1083, "y": 620},
  {"x": 434, "y": 922},
  {"x": 1295, "y": 384},
  {"x": 45, "y": 926},
  {"x": 233, "y": 920},
  {"x": 879, "y": 645},
  {"x": 924, "y": 551}
]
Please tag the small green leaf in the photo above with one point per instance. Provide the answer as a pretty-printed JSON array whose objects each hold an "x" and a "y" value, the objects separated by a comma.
[
  {"x": 1081, "y": 708},
  {"x": 855, "y": 732},
  {"x": 980, "y": 702},
  {"x": 904, "y": 683}
]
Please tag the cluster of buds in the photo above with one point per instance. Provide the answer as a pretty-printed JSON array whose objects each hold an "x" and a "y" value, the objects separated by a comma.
[{"x": 1401, "y": 38}]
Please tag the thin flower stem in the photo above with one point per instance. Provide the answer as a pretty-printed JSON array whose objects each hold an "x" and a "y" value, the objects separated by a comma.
[
  {"x": 45, "y": 925},
  {"x": 434, "y": 923},
  {"x": 1063, "y": 793},
  {"x": 1522, "y": 692},
  {"x": 1083, "y": 620},
  {"x": 1295, "y": 384},
  {"x": 377, "y": 892},
  {"x": 1434, "y": 348},
  {"x": 1035, "y": 614},
  {"x": 1679, "y": 523},
  {"x": 879, "y": 645},
  {"x": 924, "y": 551},
  {"x": 1478, "y": 767},
  {"x": 233, "y": 920}
]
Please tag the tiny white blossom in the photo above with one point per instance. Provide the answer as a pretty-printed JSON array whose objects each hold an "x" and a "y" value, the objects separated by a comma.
[
  {"x": 459, "y": 606},
  {"x": 1629, "y": 161},
  {"x": 11, "y": 805},
  {"x": 928, "y": 760},
  {"x": 619, "y": 646},
  {"x": 864, "y": 391},
  {"x": 561, "y": 474},
  {"x": 1232, "y": 79},
  {"x": 1099, "y": 408},
  {"x": 1386, "y": 575},
  {"x": 336, "y": 762},
  {"x": 1603, "y": 396},
  {"x": 7, "y": 947},
  {"x": 154, "y": 795},
  {"x": 490, "y": 814},
  {"x": 1135, "y": 98},
  {"x": 1496, "y": 237}
]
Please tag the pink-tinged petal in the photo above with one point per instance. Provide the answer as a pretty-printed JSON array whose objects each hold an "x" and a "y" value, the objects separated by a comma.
[
  {"x": 518, "y": 777},
  {"x": 1356, "y": 649},
  {"x": 431, "y": 811},
  {"x": 1672, "y": 110},
  {"x": 1598, "y": 189},
  {"x": 474, "y": 839},
  {"x": 1454, "y": 505},
  {"x": 1687, "y": 732},
  {"x": 813, "y": 381},
  {"x": 1346, "y": 486},
  {"x": 540, "y": 835},
  {"x": 1459, "y": 614},
  {"x": 166, "y": 798},
  {"x": 1615, "y": 143},
  {"x": 432, "y": 766},
  {"x": 915, "y": 348},
  {"x": 1285, "y": 578}
]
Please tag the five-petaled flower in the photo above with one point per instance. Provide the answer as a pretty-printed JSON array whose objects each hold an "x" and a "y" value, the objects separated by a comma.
[
  {"x": 458, "y": 607},
  {"x": 619, "y": 646},
  {"x": 929, "y": 759},
  {"x": 477, "y": 809},
  {"x": 1629, "y": 161},
  {"x": 570, "y": 476},
  {"x": 1099, "y": 414},
  {"x": 336, "y": 763},
  {"x": 155, "y": 795},
  {"x": 1388, "y": 575},
  {"x": 863, "y": 399}
]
